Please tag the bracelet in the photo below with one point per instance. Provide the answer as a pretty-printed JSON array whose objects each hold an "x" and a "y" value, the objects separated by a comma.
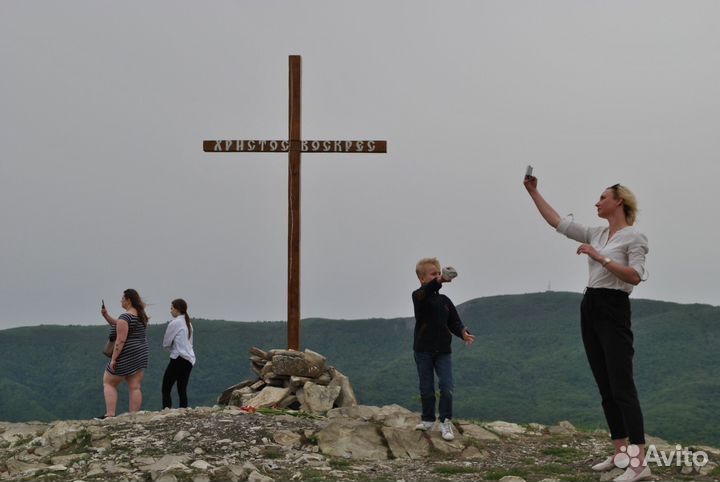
[{"x": 605, "y": 262}]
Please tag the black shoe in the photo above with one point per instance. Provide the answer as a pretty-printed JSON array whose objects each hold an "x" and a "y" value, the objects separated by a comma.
[{"x": 100, "y": 417}]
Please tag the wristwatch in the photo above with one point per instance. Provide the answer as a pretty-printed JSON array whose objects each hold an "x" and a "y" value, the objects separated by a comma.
[{"x": 605, "y": 262}]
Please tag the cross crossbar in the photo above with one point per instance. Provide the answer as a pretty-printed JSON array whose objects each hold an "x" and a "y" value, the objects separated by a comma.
[{"x": 347, "y": 146}]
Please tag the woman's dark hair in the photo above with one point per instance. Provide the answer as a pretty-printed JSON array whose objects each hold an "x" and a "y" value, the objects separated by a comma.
[
  {"x": 137, "y": 303},
  {"x": 180, "y": 305}
]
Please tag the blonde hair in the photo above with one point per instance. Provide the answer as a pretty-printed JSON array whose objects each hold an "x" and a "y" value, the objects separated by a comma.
[
  {"x": 629, "y": 200},
  {"x": 420, "y": 266}
]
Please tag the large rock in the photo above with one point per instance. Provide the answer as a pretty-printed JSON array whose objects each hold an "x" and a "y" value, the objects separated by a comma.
[
  {"x": 358, "y": 412},
  {"x": 299, "y": 366},
  {"x": 319, "y": 399},
  {"x": 562, "y": 428},
  {"x": 473, "y": 453},
  {"x": 268, "y": 397},
  {"x": 505, "y": 428},
  {"x": 349, "y": 439},
  {"x": 314, "y": 358},
  {"x": 388, "y": 415},
  {"x": 447, "y": 447},
  {"x": 240, "y": 397},
  {"x": 224, "y": 397},
  {"x": 396, "y": 416},
  {"x": 406, "y": 443},
  {"x": 347, "y": 394},
  {"x": 60, "y": 434},
  {"x": 255, "y": 351},
  {"x": 477, "y": 432},
  {"x": 16, "y": 432}
]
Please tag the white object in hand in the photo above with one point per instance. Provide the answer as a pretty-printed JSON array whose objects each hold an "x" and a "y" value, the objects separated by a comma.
[{"x": 448, "y": 272}]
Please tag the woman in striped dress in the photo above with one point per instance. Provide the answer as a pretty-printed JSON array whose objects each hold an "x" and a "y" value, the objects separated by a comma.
[{"x": 130, "y": 354}]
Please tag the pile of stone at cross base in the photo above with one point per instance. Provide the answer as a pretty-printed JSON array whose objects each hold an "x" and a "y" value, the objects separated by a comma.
[{"x": 291, "y": 379}]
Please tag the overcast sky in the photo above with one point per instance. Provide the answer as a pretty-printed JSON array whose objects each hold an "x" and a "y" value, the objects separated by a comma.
[{"x": 104, "y": 184}]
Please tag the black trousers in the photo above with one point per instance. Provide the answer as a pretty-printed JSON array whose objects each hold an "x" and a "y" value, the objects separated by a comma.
[
  {"x": 608, "y": 340},
  {"x": 178, "y": 370}
]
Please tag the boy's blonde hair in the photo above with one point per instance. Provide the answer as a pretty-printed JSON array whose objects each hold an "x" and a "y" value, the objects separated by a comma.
[{"x": 420, "y": 266}]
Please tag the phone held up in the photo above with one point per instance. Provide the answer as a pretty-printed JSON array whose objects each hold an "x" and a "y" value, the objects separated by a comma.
[{"x": 529, "y": 171}]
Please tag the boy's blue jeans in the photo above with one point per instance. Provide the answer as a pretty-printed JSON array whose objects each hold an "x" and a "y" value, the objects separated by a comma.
[{"x": 427, "y": 365}]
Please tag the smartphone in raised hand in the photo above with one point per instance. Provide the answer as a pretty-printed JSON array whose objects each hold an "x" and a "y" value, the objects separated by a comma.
[
  {"x": 449, "y": 273},
  {"x": 529, "y": 171},
  {"x": 103, "y": 304}
]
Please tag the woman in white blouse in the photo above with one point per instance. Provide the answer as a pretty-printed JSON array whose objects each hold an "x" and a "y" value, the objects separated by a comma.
[
  {"x": 178, "y": 340},
  {"x": 616, "y": 258}
]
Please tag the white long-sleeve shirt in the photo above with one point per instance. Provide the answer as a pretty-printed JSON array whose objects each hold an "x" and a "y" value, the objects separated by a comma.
[
  {"x": 628, "y": 247},
  {"x": 176, "y": 340}
]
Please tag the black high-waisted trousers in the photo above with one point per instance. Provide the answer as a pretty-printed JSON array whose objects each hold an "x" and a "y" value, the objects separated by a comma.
[{"x": 608, "y": 340}]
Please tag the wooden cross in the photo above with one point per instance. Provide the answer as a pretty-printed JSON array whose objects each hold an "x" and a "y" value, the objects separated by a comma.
[{"x": 294, "y": 145}]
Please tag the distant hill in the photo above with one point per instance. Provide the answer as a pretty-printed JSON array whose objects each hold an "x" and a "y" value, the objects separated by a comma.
[{"x": 527, "y": 365}]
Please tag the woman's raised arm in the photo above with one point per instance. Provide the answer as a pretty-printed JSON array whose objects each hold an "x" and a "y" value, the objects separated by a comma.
[
  {"x": 546, "y": 211},
  {"x": 110, "y": 320}
]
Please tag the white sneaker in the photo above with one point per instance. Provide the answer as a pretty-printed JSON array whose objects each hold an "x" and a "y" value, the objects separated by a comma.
[
  {"x": 607, "y": 464},
  {"x": 631, "y": 476},
  {"x": 424, "y": 426},
  {"x": 446, "y": 428}
]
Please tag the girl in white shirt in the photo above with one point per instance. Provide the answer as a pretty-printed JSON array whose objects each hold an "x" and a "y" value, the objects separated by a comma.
[
  {"x": 178, "y": 340},
  {"x": 616, "y": 258}
]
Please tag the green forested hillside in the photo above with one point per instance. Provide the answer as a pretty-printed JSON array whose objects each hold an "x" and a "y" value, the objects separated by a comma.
[{"x": 527, "y": 365}]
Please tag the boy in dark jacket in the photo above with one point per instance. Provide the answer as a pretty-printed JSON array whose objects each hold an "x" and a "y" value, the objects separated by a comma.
[{"x": 436, "y": 320}]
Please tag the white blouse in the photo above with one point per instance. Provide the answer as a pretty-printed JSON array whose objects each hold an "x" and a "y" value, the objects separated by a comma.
[
  {"x": 627, "y": 247},
  {"x": 176, "y": 340}
]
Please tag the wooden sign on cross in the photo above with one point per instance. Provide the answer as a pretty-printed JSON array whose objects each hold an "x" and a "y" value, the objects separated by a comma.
[{"x": 294, "y": 146}]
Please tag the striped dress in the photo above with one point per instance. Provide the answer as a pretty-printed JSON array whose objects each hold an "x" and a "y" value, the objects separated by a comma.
[{"x": 134, "y": 355}]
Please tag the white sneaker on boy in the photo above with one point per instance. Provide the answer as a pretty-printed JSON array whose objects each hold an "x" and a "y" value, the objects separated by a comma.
[
  {"x": 446, "y": 428},
  {"x": 424, "y": 426}
]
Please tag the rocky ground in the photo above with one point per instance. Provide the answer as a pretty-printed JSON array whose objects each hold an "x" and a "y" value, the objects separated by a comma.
[{"x": 352, "y": 443}]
